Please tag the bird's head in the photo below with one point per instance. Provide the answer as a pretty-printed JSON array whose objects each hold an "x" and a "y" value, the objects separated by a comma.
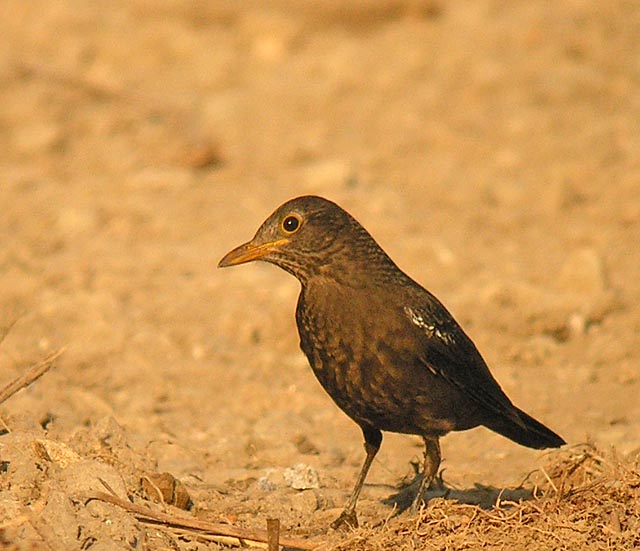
[{"x": 303, "y": 236}]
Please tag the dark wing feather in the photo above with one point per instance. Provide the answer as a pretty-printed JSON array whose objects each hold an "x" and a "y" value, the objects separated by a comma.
[{"x": 448, "y": 352}]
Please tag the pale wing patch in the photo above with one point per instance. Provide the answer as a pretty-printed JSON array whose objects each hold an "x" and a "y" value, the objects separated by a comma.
[{"x": 429, "y": 328}]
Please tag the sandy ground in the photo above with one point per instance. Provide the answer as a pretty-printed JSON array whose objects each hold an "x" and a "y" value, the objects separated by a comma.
[{"x": 492, "y": 148}]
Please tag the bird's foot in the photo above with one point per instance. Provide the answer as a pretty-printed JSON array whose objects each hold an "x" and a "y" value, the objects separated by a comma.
[
  {"x": 347, "y": 519},
  {"x": 416, "y": 504},
  {"x": 427, "y": 483}
]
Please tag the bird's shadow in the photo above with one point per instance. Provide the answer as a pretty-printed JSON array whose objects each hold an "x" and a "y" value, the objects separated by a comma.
[{"x": 484, "y": 497}]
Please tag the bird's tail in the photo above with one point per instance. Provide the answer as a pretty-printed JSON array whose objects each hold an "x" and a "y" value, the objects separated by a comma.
[{"x": 530, "y": 433}]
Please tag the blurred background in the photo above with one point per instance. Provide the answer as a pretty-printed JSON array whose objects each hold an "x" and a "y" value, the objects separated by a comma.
[{"x": 491, "y": 147}]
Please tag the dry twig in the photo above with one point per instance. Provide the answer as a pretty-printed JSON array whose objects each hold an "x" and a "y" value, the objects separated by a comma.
[
  {"x": 273, "y": 534},
  {"x": 33, "y": 373},
  {"x": 145, "y": 514}
]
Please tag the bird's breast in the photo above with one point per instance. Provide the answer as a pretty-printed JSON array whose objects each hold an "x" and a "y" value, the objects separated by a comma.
[{"x": 359, "y": 361}]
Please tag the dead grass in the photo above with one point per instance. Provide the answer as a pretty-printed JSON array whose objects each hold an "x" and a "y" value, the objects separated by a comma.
[{"x": 586, "y": 499}]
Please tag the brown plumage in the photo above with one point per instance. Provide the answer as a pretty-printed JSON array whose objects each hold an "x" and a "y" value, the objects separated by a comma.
[{"x": 385, "y": 349}]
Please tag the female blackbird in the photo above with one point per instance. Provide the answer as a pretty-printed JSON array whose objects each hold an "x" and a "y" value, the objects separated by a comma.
[{"x": 385, "y": 349}]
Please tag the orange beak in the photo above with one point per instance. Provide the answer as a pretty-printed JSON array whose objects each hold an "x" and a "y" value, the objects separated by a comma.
[{"x": 249, "y": 251}]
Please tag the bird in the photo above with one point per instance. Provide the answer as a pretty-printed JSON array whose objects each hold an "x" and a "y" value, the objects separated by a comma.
[{"x": 384, "y": 348}]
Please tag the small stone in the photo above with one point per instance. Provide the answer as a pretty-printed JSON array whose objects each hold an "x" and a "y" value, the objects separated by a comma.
[
  {"x": 56, "y": 452},
  {"x": 577, "y": 324},
  {"x": 166, "y": 488},
  {"x": 302, "y": 477},
  {"x": 270, "y": 481}
]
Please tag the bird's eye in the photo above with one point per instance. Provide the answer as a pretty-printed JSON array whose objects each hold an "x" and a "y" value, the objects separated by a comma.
[{"x": 291, "y": 224}]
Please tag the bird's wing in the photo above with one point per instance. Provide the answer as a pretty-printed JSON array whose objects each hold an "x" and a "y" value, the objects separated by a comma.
[{"x": 449, "y": 353}]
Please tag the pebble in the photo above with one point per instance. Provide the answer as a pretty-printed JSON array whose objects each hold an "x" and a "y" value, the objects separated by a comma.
[
  {"x": 302, "y": 477},
  {"x": 271, "y": 480}
]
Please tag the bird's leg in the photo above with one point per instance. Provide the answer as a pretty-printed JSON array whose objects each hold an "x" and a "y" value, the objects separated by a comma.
[
  {"x": 431, "y": 464},
  {"x": 372, "y": 441}
]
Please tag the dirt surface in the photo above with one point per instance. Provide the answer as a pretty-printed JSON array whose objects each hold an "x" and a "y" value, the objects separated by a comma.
[{"x": 492, "y": 148}]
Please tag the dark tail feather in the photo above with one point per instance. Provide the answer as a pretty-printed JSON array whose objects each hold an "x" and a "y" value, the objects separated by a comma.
[{"x": 531, "y": 433}]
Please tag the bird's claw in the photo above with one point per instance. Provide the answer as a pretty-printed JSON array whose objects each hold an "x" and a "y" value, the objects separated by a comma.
[
  {"x": 347, "y": 519},
  {"x": 416, "y": 504}
]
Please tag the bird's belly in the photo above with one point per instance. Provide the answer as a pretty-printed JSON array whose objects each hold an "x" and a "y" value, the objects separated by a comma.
[{"x": 392, "y": 398}]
